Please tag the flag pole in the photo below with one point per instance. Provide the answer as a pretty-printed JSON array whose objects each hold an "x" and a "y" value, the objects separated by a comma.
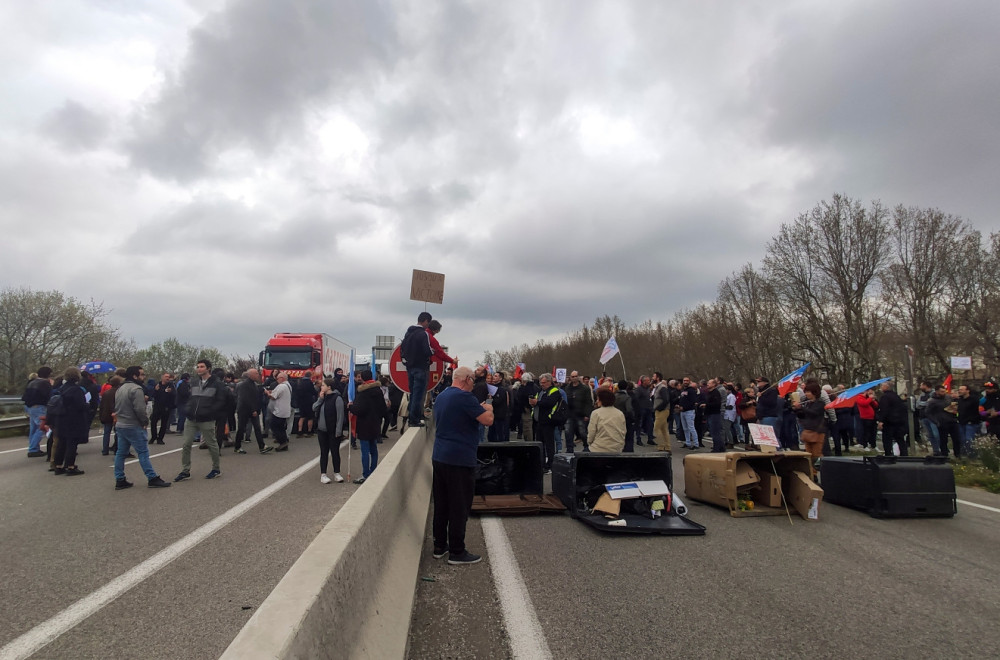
[{"x": 624, "y": 376}]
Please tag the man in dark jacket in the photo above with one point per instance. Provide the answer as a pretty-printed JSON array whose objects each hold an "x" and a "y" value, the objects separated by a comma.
[
  {"x": 643, "y": 402},
  {"x": 205, "y": 407},
  {"x": 74, "y": 424},
  {"x": 183, "y": 395},
  {"x": 545, "y": 404},
  {"x": 713, "y": 415},
  {"x": 687, "y": 402},
  {"x": 623, "y": 402},
  {"x": 36, "y": 396},
  {"x": 415, "y": 349},
  {"x": 500, "y": 430},
  {"x": 248, "y": 405},
  {"x": 369, "y": 408},
  {"x": 305, "y": 391},
  {"x": 164, "y": 398},
  {"x": 891, "y": 415},
  {"x": 941, "y": 411},
  {"x": 969, "y": 418},
  {"x": 579, "y": 405},
  {"x": 525, "y": 392}
]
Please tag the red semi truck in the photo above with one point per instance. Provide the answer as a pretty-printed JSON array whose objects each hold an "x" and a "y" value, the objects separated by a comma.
[{"x": 298, "y": 353}]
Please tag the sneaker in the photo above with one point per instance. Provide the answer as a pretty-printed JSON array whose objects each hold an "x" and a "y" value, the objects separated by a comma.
[
  {"x": 213, "y": 474},
  {"x": 339, "y": 479},
  {"x": 323, "y": 479},
  {"x": 439, "y": 552},
  {"x": 267, "y": 450},
  {"x": 464, "y": 558},
  {"x": 72, "y": 472},
  {"x": 36, "y": 454},
  {"x": 182, "y": 476},
  {"x": 59, "y": 470},
  {"x": 239, "y": 451},
  {"x": 122, "y": 484},
  {"x": 157, "y": 482},
  {"x": 359, "y": 480},
  {"x": 283, "y": 447},
  {"x": 393, "y": 428}
]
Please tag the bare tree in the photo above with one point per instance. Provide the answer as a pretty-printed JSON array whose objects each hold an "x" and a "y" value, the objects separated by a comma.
[{"x": 975, "y": 289}]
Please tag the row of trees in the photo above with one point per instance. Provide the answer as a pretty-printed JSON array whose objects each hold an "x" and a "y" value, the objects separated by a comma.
[
  {"x": 48, "y": 327},
  {"x": 845, "y": 286}
]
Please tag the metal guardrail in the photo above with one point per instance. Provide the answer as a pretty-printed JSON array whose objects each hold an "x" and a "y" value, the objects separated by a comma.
[{"x": 9, "y": 423}]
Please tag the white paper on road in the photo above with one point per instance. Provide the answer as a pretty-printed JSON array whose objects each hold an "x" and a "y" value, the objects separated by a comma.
[{"x": 623, "y": 490}]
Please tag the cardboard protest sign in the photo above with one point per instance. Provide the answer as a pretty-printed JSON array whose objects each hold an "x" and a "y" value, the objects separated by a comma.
[
  {"x": 763, "y": 434},
  {"x": 427, "y": 286}
]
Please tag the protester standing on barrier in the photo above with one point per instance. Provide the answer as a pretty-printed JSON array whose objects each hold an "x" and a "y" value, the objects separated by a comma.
[
  {"x": 416, "y": 351},
  {"x": 457, "y": 417}
]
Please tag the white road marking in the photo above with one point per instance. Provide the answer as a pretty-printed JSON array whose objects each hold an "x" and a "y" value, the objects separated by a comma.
[
  {"x": 162, "y": 453},
  {"x": 527, "y": 640},
  {"x": 25, "y": 449},
  {"x": 44, "y": 633},
  {"x": 978, "y": 506}
]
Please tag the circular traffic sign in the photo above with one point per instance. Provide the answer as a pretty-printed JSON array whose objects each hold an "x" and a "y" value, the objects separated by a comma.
[{"x": 397, "y": 371}]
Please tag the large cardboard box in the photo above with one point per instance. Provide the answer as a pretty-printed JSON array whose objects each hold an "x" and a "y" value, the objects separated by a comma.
[
  {"x": 805, "y": 496},
  {"x": 722, "y": 478}
]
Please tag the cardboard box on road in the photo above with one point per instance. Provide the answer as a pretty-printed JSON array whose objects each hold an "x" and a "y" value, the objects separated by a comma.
[
  {"x": 722, "y": 479},
  {"x": 805, "y": 496},
  {"x": 768, "y": 491}
]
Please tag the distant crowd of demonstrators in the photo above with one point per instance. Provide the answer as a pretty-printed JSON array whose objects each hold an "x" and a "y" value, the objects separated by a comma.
[
  {"x": 564, "y": 416},
  {"x": 593, "y": 414}
]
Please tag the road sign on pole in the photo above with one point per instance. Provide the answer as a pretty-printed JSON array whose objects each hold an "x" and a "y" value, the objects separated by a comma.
[{"x": 397, "y": 371}]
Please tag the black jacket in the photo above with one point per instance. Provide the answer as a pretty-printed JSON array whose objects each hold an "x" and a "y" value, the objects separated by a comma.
[
  {"x": 501, "y": 403},
  {"x": 75, "y": 420},
  {"x": 935, "y": 410},
  {"x": 164, "y": 396},
  {"x": 247, "y": 397},
  {"x": 37, "y": 392},
  {"x": 768, "y": 403},
  {"x": 891, "y": 409},
  {"x": 546, "y": 403},
  {"x": 415, "y": 349},
  {"x": 713, "y": 402},
  {"x": 526, "y": 391},
  {"x": 623, "y": 402},
  {"x": 369, "y": 407},
  {"x": 642, "y": 400},
  {"x": 811, "y": 415},
  {"x": 968, "y": 409},
  {"x": 578, "y": 401},
  {"x": 480, "y": 390},
  {"x": 688, "y": 398},
  {"x": 327, "y": 407},
  {"x": 208, "y": 401}
]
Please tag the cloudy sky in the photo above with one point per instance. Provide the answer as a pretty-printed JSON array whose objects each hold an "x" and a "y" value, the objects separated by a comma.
[{"x": 218, "y": 171}]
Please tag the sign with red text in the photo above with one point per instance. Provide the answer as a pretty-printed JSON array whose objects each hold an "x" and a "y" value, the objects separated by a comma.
[{"x": 427, "y": 286}]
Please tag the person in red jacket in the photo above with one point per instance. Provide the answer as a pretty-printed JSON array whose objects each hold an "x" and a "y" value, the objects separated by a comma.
[
  {"x": 867, "y": 405},
  {"x": 433, "y": 328}
]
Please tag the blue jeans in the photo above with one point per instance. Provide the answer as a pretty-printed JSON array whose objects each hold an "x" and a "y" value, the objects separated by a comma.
[
  {"x": 181, "y": 417},
  {"x": 690, "y": 435},
  {"x": 557, "y": 436},
  {"x": 575, "y": 428},
  {"x": 930, "y": 430},
  {"x": 35, "y": 414},
  {"x": 715, "y": 429},
  {"x": 417, "y": 380},
  {"x": 369, "y": 457},
  {"x": 133, "y": 437},
  {"x": 968, "y": 435}
]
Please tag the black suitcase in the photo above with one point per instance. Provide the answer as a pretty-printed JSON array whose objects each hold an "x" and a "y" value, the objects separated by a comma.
[
  {"x": 891, "y": 486},
  {"x": 510, "y": 468},
  {"x": 578, "y": 476}
]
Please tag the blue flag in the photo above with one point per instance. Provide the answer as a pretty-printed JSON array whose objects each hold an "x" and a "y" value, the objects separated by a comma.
[
  {"x": 374, "y": 366},
  {"x": 350, "y": 379}
]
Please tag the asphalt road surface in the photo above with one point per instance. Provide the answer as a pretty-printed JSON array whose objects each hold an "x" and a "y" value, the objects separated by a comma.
[
  {"x": 63, "y": 539},
  {"x": 848, "y": 586}
]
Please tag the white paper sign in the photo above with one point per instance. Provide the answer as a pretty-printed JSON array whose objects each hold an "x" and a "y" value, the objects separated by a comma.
[
  {"x": 763, "y": 434},
  {"x": 961, "y": 362},
  {"x": 623, "y": 490},
  {"x": 651, "y": 488},
  {"x": 560, "y": 375}
]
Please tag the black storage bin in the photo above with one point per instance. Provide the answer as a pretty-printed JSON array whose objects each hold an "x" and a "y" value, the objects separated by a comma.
[
  {"x": 891, "y": 486},
  {"x": 510, "y": 468},
  {"x": 578, "y": 476}
]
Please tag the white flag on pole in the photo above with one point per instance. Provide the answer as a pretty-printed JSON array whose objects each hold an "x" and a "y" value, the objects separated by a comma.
[{"x": 610, "y": 350}]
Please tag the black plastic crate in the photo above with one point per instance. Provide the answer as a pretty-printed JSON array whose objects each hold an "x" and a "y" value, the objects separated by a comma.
[
  {"x": 510, "y": 468},
  {"x": 577, "y": 478},
  {"x": 891, "y": 486}
]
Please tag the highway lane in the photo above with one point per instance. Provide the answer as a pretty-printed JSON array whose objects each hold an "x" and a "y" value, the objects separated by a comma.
[
  {"x": 847, "y": 586},
  {"x": 62, "y": 538}
]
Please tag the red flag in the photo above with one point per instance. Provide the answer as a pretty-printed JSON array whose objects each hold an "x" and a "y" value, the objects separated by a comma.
[
  {"x": 947, "y": 384},
  {"x": 518, "y": 371}
]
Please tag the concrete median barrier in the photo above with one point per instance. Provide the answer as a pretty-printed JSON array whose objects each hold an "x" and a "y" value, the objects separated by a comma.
[{"x": 350, "y": 594}]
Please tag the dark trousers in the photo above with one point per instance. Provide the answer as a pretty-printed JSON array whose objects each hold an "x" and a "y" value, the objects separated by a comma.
[
  {"x": 843, "y": 434},
  {"x": 65, "y": 449},
  {"x": 279, "y": 429},
  {"x": 161, "y": 417},
  {"x": 547, "y": 436},
  {"x": 328, "y": 446},
  {"x": 246, "y": 418},
  {"x": 629, "y": 437},
  {"x": 453, "y": 487},
  {"x": 418, "y": 390},
  {"x": 950, "y": 429},
  {"x": 893, "y": 433},
  {"x": 868, "y": 433},
  {"x": 715, "y": 430},
  {"x": 576, "y": 428},
  {"x": 646, "y": 424},
  {"x": 500, "y": 431}
]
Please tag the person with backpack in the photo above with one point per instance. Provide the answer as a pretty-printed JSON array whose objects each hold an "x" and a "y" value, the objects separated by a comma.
[
  {"x": 73, "y": 409},
  {"x": 550, "y": 408},
  {"x": 36, "y": 397},
  {"x": 415, "y": 351}
]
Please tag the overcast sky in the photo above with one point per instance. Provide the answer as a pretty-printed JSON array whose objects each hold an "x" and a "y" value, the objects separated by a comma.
[{"x": 219, "y": 171}]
